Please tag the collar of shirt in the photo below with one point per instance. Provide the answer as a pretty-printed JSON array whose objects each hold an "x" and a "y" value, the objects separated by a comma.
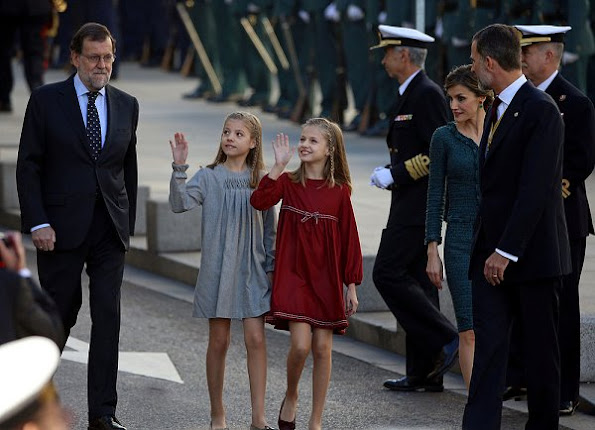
[
  {"x": 508, "y": 94},
  {"x": 545, "y": 84},
  {"x": 405, "y": 84},
  {"x": 81, "y": 89}
]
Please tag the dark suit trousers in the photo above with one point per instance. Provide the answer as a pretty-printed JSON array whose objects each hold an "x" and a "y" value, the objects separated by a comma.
[
  {"x": 400, "y": 277},
  {"x": 534, "y": 306},
  {"x": 60, "y": 275}
]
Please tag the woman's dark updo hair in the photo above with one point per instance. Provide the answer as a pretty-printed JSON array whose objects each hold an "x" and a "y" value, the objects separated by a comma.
[{"x": 463, "y": 75}]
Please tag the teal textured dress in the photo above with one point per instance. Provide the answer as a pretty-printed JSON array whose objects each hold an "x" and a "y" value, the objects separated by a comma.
[{"x": 453, "y": 190}]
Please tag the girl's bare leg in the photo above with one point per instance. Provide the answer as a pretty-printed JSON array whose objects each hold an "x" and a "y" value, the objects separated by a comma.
[
  {"x": 219, "y": 337},
  {"x": 322, "y": 344},
  {"x": 301, "y": 341},
  {"x": 257, "y": 367}
]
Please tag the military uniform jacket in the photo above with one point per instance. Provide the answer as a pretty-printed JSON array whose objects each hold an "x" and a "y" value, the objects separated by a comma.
[
  {"x": 579, "y": 153},
  {"x": 419, "y": 112}
]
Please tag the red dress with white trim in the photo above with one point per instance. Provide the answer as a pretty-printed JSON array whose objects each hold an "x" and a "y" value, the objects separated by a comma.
[{"x": 318, "y": 251}]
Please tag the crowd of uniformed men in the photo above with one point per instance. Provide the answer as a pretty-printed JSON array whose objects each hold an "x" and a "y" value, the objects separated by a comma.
[{"x": 322, "y": 42}]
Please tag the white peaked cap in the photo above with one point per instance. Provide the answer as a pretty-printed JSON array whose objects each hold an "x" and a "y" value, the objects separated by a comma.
[
  {"x": 401, "y": 36},
  {"x": 542, "y": 33},
  {"x": 26, "y": 366}
]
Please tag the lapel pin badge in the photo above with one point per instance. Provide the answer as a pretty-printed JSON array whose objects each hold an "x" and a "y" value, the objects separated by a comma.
[
  {"x": 563, "y": 97},
  {"x": 516, "y": 114}
]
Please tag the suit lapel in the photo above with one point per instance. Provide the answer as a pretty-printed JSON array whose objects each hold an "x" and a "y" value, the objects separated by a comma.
[
  {"x": 68, "y": 102},
  {"x": 112, "y": 103}
]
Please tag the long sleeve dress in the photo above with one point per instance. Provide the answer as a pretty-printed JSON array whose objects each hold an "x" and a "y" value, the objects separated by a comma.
[
  {"x": 318, "y": 250},
  {"x": 453, "y": 188},
  {"x": 237, "y": 242}
]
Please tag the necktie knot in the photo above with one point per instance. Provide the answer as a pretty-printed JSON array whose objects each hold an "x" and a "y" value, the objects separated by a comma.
[
  {"x": 92, "y": 95},
  {"x": 494, "y": 112}
]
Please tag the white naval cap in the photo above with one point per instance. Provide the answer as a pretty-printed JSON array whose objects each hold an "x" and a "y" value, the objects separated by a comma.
[
  {"x": 28, "y": 364},
  {"x": 542, "y": 33},
  {"x": 401, "y": 36}
]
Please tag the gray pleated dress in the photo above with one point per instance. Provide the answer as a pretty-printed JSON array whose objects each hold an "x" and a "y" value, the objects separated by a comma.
[{"x": 237, "y": 242}]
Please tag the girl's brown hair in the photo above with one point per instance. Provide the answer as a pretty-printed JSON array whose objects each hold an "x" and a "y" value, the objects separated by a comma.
[
  {"x": 254, "y": 159},
  {"x": 336, "y": 169}
]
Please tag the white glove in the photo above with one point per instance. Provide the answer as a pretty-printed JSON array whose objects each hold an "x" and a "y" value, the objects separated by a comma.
[
  {"x": 439, "y": 29},
  {"x": 382, "y": 17},
  {"x": 569, "y": 57},
  {"x": 382, "y": 177},
  {"x": 305, "y": 16},
  {"x": 459, "y": 43},
  {"x": 354, "y": 13},
  {"x": 331, "y": 13},
  {"x": 252, "y": 8}
]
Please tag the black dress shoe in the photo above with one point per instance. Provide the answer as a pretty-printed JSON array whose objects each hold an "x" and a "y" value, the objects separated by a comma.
[
  {"x": 199, "y": 92},
  {"x": 567, "y": 408},
  {"x": 446, "y": 359},
  {"x": 5, "y": 107},
  {"x": 106, "y": 422},
  {"x": 514, "y": 392},
  {"x": 354, "y": 124},
  {"x": 412, "y": 384}
]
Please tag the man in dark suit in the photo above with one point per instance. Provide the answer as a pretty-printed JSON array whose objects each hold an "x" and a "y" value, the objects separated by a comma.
[
  {"x": 520, "y": 249},
  {"x": 543, "y": 47},
  {"x": 400, "y": 267},
  {"x": 77, "y": 186}
]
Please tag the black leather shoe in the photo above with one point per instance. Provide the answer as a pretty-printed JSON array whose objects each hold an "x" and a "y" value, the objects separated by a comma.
[
  {"x": 354, "y": 124},
  {"x": 567, "y": 408},
  {"x": 411, "y": 384},
  {"x": 198, "y": 93},
  {"x": 5, "y": 107},
  {"x": 106, "y": 422},
  {"x": 514, "y": 392},
  {"x": 446, "y": 359}
]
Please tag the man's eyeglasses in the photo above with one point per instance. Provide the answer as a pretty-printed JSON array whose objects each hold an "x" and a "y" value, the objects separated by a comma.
[{"x": 95, "y": 59}]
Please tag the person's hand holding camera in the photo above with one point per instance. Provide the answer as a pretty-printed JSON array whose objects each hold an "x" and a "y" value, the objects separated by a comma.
[{"x": 12, "y": 251}]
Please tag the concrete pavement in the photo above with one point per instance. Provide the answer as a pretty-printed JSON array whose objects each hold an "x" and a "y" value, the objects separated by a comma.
[{"x": 163, "y": 112}]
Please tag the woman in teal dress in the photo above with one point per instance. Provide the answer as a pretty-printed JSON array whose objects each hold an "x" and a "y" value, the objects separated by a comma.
[{"x": 453, "y": 194}]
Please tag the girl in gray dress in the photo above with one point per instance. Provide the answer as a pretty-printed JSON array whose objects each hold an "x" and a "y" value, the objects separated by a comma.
[
  {"x": 454, "y": 179},
  {"x": 237, "y": 253}
]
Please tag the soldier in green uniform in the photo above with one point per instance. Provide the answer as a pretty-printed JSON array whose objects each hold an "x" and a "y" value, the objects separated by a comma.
[
  {"x": 321, "y": 39},
  {"x": 384, "y": 88},
  {"x": 203, "y": 18},
  {"x": 257, "y": 74},
  {"x": 355, "y": 49},
  {"x": 521, "y": 11},
  {"x": 457, "y": 23},
  {"x": 230, "y": 60}
]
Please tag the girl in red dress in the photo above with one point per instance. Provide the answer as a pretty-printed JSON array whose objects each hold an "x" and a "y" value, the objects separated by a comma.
[{"x": 318, "y": 251}]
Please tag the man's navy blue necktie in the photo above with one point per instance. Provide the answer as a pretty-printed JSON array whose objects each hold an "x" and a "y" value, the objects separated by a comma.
[{"x": 93, "y": 125}]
